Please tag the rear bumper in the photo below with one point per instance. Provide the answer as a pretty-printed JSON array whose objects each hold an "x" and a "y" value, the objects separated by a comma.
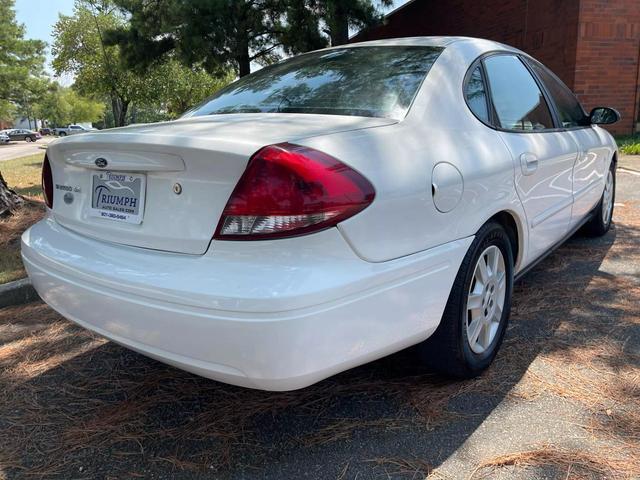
[{"x": 274, "y": 315}]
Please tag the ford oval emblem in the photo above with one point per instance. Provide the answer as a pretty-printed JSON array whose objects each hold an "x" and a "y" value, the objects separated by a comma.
[{"x": 101, "y": 162}]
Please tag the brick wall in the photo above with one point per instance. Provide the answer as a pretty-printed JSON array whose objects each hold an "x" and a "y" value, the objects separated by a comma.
[
  {"x": 546, "y": 29},
  {"x": 593, "y": 45},
  {"x": 607, "y": 58}
]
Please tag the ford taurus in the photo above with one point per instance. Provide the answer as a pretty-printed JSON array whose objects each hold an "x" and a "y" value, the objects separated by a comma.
[{"x": 325, "y": 211}]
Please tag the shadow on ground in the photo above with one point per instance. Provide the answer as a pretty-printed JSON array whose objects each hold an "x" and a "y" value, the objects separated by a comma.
[{"x": 75, "y": 406}]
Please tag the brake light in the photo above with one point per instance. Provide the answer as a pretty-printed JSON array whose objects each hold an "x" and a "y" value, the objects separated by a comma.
[
  {"x": 47, "y": 182},
  {"x": 290, "y": 190}
]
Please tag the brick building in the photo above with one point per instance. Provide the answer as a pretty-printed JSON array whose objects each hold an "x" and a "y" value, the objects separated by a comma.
[{"x": 593, "y": 45}]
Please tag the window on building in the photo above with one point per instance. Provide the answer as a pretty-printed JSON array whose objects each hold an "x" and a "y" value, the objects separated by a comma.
[
  {"x": 517, "y": 99},
  {"x": 476, "y": 94},
  {"x": 570, "y": 112}
]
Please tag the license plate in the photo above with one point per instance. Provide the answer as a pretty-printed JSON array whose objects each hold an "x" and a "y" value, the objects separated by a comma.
[{"x": 118, "y": 196}]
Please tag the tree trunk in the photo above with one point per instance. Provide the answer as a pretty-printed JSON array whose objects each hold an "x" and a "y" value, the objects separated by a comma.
[
  {"x": 134, "y": 114},
  {"x": 242, "y": 57},
  {"x": 338, "y": 24},
  {"x": 119, "y": 108},
  {"x": 123, "y": 113},
  {"x": 9, "y": 200}
]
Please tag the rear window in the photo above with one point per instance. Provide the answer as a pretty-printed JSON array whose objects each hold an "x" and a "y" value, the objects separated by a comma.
[{"x": 360, "y": 81}]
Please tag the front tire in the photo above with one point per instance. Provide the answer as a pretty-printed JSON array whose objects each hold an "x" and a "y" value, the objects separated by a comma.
[
  {"x": 477, "y": 311},
  {"x": 28, "y": 139},
  {"x": 600, "y": 223}
]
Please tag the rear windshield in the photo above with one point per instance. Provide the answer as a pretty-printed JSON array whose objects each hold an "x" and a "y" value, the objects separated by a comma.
[{"x": 360, "y": 81}]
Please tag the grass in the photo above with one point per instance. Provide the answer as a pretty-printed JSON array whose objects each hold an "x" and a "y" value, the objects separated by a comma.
[
  {"x": 629, "y": 144},
  {"x": 22, "y": 175}
]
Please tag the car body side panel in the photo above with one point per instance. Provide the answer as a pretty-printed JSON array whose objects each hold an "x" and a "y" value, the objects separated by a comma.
[
  {"x": 399, "y": 160},
  {"x": 546, "y": 191},
  {"x": 595, "y": 151}
]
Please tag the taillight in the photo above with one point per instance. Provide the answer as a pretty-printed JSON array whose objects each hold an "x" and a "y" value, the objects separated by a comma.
[
  {"x": 47, "y": 182},
  {"x": 290, "y": 190}
]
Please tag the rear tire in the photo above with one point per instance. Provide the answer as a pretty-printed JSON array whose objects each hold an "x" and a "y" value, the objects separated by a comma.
[
  {"x": 476, "y": 310},
  {"x": 600, "y": 223},
  {"x": 62, "y": 134}
]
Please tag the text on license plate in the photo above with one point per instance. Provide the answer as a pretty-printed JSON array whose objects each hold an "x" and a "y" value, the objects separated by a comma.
[{"x": 118, "y": 196}]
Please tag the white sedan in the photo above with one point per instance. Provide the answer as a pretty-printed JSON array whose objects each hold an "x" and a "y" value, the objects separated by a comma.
[{"x": 325, "y": 212}]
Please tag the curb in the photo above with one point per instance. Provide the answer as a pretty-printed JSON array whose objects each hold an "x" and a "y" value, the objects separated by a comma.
[
  {"x": 16, "y": 293},
  {"x": 629, "y": 168}
]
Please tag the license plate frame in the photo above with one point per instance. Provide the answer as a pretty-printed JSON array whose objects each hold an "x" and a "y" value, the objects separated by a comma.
[{"x": 118, "y": 196}]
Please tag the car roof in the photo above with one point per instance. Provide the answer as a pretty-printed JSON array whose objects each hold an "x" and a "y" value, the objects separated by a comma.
[{"x": 436, "y": 41}]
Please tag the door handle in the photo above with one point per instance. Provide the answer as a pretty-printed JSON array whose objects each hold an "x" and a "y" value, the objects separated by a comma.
[{"x": 528, "y": 163}]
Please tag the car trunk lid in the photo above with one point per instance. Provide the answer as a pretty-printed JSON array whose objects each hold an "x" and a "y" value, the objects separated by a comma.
[{"x": 164, "y": 186}]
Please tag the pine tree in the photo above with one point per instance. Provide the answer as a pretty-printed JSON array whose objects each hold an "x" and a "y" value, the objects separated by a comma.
[
  {"x": 219, "y": 34},
  {"x": 20, "y": 61}
]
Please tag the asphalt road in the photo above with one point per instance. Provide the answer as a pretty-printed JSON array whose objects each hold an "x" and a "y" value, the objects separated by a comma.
[
  {"x": 21, "y": 149},
  {"x": 560, "y": 402}
]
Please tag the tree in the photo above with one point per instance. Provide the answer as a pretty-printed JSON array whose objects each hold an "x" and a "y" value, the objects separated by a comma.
[
  {"x": 217, "y": 34},
  {"x": 236, "y": 33},
  {"x": 339, "y": 16},
  {"x": 20, "y": 61},
  {"x": 32, "y": 90},
  {"x": 79, "y": 49},
  {"x": 310, "y": 23},
  {"x": 184, "y": 87},
  {"x": 164, "y": 90},
  {"x": 61, "y": 106}
]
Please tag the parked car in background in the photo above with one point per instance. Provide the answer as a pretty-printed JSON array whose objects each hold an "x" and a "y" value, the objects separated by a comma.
[
  {"x": 46, "y": 131},
  {"x": 4, "y": 138},
  {"x": 326, "y": 211},
  {"x": 70, "y": 130},
  {"x": 21, "y": 134}
]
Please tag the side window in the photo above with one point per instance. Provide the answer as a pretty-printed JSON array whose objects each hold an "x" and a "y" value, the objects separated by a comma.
[
  {"x": 569, "y": 109},
  {"x": 517, "y": 99},
  {"x": 476, "y": 94}
]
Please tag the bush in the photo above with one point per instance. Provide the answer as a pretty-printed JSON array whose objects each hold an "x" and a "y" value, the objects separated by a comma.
[{"x": 629, "y": 145}]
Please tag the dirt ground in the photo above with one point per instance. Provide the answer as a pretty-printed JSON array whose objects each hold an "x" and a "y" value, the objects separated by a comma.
[
  {"x": 11, "y": 229},
  {"x": 561, "y": 401}
]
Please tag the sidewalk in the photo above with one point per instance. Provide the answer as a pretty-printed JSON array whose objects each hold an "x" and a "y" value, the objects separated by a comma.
[{"x": 629, "y": 162}]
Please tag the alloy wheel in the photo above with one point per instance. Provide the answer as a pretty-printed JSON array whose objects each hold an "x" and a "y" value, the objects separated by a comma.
[
  {"x": 485, "y": 301},
  {"x": 607, "y": 199}
]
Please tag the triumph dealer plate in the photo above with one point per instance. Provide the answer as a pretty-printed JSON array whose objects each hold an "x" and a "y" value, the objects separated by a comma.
[{"x": 118, "y": 196}]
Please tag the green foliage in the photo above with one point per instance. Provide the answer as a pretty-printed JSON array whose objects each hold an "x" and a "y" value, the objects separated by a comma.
[
  {"x": 79, "y": 49},
  {"x": 217, "y": 34},
  {"x": 185, "y": 87},
  {"x": 7, "y": 110},
  {"x": 21, "y": 61},
  {"x": 163, "y": 91},
  {"x": 223, "y": 34},
  {"x": 62, "y": 106},
  {"x": 629, "y": 145},
  {"x": 311, "y": 21}
]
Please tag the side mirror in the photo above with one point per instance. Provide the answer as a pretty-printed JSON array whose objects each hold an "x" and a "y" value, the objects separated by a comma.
[{"x": 603, "y": 116}]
